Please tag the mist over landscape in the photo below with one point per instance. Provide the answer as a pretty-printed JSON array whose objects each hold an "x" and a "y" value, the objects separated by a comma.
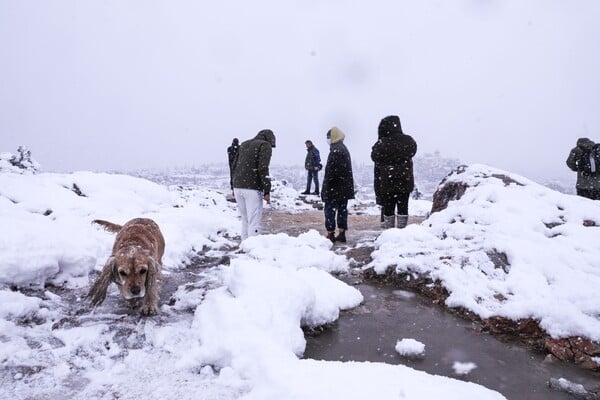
[{"x": 106, "y": 86}]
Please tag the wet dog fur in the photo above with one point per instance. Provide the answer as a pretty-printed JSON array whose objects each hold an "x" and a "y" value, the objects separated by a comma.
[{"x": 134, "y": 265}]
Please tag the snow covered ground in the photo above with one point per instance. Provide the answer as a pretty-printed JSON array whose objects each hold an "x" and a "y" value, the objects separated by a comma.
[
  {"x": 549, "y": 243},
  {"x": 233, "y": 331}
]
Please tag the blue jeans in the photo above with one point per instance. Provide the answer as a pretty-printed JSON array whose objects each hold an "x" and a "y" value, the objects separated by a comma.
[
  {"x": 312, "y": 175},
  {"x": 331, "y": 208}
]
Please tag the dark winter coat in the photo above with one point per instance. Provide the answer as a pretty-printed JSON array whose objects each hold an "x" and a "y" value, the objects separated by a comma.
[
  {"x": 231, "y": 155},
  {"x": 584, "y": 181},
  {"x": 232, "y": 151},
  {"x": 392, "y": 155},
  {"x": 313, "y": 159},
  {"x": 251, "y": 166},
  {"x": 338, "y": 182}
]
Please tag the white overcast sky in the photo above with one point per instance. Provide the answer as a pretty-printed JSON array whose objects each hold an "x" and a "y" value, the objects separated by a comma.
[{"x": 121, "y": 85}]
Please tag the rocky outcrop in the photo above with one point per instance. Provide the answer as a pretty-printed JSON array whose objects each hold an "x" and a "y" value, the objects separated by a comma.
[
  {"x": 448, "y": 190},
  {"x": 578, "y": 350},
  {"x": 453, "y": 189}
]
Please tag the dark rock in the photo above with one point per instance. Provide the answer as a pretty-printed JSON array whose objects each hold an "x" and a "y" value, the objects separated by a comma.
[
  {"x": 499, "y": 259},
  {"x": 527, "y": 328},
  {"x": 77, "y": 190},
  {"x": 446, "y": 193},
  {"x": 507, "y": 180},
  {"x": 574, "y": 349}
]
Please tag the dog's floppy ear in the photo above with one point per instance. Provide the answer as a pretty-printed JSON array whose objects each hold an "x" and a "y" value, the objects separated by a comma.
[
  {"x": 153, "y": 273},
  {"x": 98, "y": 291}
]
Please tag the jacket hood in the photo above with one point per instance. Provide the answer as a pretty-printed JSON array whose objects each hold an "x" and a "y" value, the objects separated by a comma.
[
  {"x": 585, "y": 143},
  {"x": 335, "y": 134},
  {"x": 268, "y": 135},
  {"x": 389, "y": 125}
]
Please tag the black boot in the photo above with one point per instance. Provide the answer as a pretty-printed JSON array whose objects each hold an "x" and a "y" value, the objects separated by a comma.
[
  {"x": 341, "y": 237},
  {"x": 305, "y": 192}
]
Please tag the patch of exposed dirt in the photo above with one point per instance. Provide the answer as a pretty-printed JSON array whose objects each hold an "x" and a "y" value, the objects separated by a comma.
[{"x": 361, "y": 227}]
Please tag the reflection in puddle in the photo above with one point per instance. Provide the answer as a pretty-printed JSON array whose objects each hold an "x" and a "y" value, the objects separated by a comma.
[{"x": 370, "y": 333}]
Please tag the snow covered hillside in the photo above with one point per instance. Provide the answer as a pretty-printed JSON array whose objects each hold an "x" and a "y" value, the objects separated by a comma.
[{"x": 228, "y": 331}]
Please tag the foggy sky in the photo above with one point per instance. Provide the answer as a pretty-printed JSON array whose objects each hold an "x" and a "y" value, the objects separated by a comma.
[{"x": 123, "y": 85}]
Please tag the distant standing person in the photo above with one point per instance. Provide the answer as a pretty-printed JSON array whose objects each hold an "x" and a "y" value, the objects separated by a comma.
[
  {"x": 251, "y": 182},
  {"x": 394, "y": 177},
  {"x": 585, "y": 160},
  {"x": 232, "y": 152},
  {"x": 338, "y": 186},
  {"x": 313, "y": 165}
]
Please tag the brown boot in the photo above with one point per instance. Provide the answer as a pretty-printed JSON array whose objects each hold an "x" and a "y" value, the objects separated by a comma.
[
  {"x": 341, "y": 237},
  {"x": 331, "y": 236}
]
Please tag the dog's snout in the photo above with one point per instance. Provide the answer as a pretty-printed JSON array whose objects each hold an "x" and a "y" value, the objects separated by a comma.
[{"x": 135, "y": 290}]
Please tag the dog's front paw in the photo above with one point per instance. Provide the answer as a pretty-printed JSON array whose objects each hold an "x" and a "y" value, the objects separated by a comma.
[{"x": 149, "y": 309}]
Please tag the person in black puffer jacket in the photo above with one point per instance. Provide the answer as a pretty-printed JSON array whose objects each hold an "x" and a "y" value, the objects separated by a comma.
[
  {"x": 393, "y": 172},
  {"x": 251, "y": 181},
  {"x": 338, "y": 185},
  {"x": 585, "y": 160}
]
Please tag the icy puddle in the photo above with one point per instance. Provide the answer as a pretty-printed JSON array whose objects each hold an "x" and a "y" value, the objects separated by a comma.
[{"x": 371, "y": 331}]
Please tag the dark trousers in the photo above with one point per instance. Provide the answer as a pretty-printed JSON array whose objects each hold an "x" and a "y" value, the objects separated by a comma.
[
  {"x": 312, "y": 175},
  {"x": 339, "y": 207},
  {"x": 395, "y": 204},
  {"x": 593, "y": 194}
]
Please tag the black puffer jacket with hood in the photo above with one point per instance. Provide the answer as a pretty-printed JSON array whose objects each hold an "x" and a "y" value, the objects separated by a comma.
[
  {"x": 392, "y": 155},
  {"x": 251, "y": 166},
  {"x": 338, "y": 181},
  {"x": 584, "y": 181}
]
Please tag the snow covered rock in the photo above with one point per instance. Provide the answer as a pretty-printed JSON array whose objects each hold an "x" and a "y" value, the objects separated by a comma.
[{"x": 520, "y": 257}]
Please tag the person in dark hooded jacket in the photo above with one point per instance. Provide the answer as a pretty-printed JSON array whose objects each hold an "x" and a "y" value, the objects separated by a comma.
[
  {"x": 231, "y": 155},
  {"x": 585, "y": 160},
  {"x": 393, "y": 172},
  {"x": 312, "y": 164},
  {"x": 338, "y": 186},
  {"x": 251, "y": 181}
]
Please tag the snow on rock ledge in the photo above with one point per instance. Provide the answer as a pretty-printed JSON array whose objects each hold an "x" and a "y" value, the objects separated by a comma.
[{"x": 506, "y": 250}]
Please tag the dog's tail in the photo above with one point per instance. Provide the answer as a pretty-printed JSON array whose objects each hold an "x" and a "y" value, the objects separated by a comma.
[{"x": 109, "y": 226}]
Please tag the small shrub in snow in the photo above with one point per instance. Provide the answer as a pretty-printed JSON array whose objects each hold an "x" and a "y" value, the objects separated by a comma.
[
  {"x": 410, "y": 348},
  {"x": 18, "y": 163}
]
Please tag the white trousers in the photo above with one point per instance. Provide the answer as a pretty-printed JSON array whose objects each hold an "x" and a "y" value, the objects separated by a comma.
[{"x": 250, "y": 205}]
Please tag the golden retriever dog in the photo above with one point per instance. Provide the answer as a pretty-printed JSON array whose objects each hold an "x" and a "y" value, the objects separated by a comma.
[{"x": 134, "y": 265}]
